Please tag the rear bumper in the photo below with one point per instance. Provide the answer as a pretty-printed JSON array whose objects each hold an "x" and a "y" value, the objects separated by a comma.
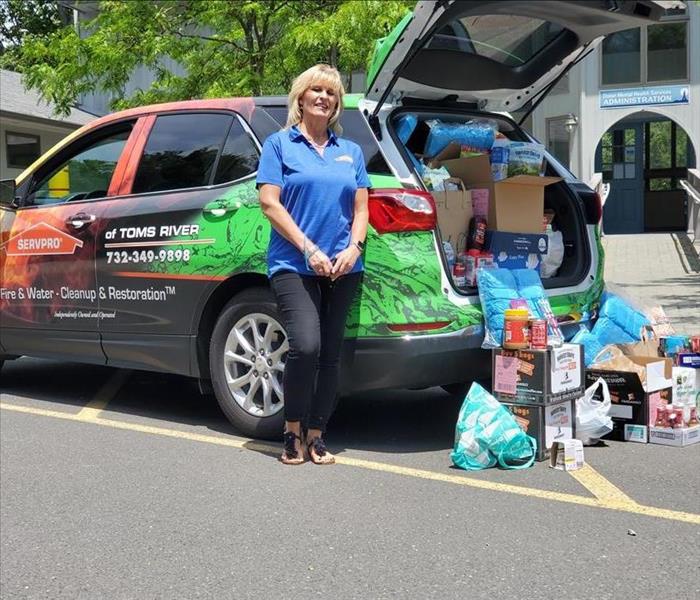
[{"x": 413, "y": 361}]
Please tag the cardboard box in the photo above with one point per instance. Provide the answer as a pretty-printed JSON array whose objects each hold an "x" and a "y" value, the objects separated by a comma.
[
  {"x": 516, "y": 204},
  {"x": 547, "y": 424},
  {"x": 454, "y": 211},
  {"x": 635, "y": 393},
  {"x": 638, "y": 379},
  {"x": 538, "y": 376},
  {"x": 566, "y": 455},
  {"x": 666, "y": 436},
  {"x": 517, "y": 250}
]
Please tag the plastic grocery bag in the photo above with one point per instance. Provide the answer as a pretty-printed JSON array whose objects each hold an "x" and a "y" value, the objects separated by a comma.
[
  {"x": 551, "y": 261},
  {"x": 593, "y": 419},
  {"x": 486, "y": 434}
]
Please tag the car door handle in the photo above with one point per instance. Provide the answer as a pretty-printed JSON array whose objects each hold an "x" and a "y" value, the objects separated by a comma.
[
  {"x": 217, "y": 208},
  {"x": 80, "y": 220}
]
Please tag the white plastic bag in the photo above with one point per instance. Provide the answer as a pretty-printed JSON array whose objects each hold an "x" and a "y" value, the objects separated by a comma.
[
  {"x": 554, "y": 257},
  {"x": 593, "y": 419}
]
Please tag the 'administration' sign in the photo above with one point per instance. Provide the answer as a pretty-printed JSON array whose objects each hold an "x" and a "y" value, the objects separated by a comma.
[{"x": 664, "y": 94}]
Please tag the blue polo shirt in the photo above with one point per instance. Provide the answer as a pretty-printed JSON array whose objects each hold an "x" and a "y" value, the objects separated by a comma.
[{"x": 317, "y": 191}]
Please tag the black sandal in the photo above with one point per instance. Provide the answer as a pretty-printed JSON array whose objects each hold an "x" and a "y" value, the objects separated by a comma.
[
  {"x": 319, "y": 447},
  {"x": 290, "y": 454}
]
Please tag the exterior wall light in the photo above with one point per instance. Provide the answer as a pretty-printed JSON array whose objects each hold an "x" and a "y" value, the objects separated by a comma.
[{"x": 570, "y": 123}]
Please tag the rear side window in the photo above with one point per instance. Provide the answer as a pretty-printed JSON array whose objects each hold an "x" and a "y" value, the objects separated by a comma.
[
  {"x": 181, "y": 152},
  {"x": 239, "y": 156},
  {"x": 355, "y": 128}
]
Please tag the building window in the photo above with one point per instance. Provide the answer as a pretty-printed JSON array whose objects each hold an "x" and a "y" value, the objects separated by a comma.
[
  {"x": 22, "y": 149},
  {"x": 621, "y": 54},
  {"x": 667, "y": 55},
  {"x": 652, "y": 54},
  {"x": 558, "y": 140}
]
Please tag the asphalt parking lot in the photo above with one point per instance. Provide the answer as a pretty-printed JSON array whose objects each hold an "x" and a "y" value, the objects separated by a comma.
[{"x": 125, "y": 484}]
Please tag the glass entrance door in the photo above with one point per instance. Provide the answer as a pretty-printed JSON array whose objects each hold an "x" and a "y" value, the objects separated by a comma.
[{"x": 620, "y": 158}]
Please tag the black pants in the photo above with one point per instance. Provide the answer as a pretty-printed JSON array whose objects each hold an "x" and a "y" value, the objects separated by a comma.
[{"x": 314, "y": 311}]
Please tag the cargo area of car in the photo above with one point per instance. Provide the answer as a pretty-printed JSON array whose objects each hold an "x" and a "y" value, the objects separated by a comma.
[{"x": 563, "y": 223}]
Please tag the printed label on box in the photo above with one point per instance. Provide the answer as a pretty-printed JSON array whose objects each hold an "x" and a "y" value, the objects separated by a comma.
[
  {"x": 505, "y": 376},
  {"x": 635, "y": 433},
  {"x": 566, "y": 369},
  {"x": 621, "y": 411},
  {"x": 558, "y": 422}
]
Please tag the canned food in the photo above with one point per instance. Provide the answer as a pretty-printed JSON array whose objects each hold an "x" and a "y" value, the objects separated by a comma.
[
  {"x": 679, "y": 421},
  {"x": 538, "y": 334}
]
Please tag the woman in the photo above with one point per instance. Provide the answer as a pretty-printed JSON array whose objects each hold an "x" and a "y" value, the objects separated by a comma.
[{"x": 313, "y": 189}]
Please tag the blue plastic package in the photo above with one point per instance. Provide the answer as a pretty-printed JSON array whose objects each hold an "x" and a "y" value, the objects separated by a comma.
[
  {"x": 497, "y": 288},
  {"x": 476, "y": 136},
  {"x": 405, "y": 125},
  {"x": 618, "y": 323}
]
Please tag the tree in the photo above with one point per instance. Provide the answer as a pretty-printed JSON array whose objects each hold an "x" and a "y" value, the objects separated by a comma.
[
  {"x": 202, "y": 48},
  {"x": 22, "y": 18}
]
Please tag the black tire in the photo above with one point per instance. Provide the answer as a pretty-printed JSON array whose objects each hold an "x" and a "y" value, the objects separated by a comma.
[
  {"x": 247, "y": 302},
  {"x": 458, "y": 390}
]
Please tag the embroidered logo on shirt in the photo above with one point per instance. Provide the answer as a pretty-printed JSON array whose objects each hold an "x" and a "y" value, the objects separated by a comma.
[{"x": 344, "y": 158}]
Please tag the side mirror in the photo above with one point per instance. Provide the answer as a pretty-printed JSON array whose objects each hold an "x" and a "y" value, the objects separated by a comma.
[{"x": 8, "y": 191}]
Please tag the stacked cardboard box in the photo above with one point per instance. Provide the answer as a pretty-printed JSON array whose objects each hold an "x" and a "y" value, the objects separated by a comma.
[{"x": 540, "y": 388}]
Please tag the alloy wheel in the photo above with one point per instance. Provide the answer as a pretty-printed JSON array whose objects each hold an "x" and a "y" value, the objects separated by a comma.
[{"x": 254, "y": 357}]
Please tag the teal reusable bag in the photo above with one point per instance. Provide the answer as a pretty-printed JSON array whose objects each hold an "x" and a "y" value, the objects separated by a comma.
[{"x": 486, "y": 434}]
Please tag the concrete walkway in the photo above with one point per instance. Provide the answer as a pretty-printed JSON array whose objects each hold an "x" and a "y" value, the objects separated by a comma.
[{"x": 658, "y": 269}]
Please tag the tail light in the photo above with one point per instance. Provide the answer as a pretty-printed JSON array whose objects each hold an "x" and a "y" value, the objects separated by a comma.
[
  {"x": 596, "y": 209},
  {"x": 592, "y": 205},
  {"x": 392, "y": 210}
]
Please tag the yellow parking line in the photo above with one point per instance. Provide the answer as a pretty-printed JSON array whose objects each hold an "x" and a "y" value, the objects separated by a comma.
[
  {"x": 104, "y": 395},
  {"x": 234, "y": 442},
  {"x": 600, "y": 487}
]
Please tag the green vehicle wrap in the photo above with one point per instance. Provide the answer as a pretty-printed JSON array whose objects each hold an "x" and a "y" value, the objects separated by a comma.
[{"x": 402, "y": 281}]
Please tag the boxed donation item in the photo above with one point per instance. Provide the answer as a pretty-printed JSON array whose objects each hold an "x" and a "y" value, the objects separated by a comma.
[
  {"x": 516, "y": 204},
  {"x": 547, "y": 424},
  {"x": 566, "y": 455},
  {"x": 538, "y": 376},
  {"x": 639, "y": 383},
  {"x": 666, "y": 436},
  {"x": 517, "y": 250}
]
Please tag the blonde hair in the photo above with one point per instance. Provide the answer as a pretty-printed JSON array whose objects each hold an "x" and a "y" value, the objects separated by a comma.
[{"x": 323, "y": 74}]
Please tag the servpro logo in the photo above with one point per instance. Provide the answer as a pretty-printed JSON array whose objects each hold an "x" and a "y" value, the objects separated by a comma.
[{"x": 42, "y": 239}]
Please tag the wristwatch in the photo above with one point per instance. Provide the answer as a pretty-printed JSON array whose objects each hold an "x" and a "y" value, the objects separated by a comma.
[{"x": 359, "y": 245}]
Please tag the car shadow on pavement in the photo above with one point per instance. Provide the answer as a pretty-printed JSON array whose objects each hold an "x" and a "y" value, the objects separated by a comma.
[{"x": 392, "y": 421}]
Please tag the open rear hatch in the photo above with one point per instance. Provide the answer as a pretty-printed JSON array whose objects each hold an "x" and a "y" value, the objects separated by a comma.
[
  {"x": 495, "y": 54},
  {"x": 456, "y": 63}
]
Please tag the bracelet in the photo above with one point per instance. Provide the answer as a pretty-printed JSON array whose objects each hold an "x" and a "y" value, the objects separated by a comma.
[
  {"x": 359, "y": 245},
  {"x": 307, "y": 254}
]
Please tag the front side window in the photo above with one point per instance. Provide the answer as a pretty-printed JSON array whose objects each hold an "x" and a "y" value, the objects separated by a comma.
[
  {"x": 84, "y": 176},
  {"x": 181, "y": 152},
  {"x": 22, "y": 149},
  {"x": 621, "y": 57}
]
